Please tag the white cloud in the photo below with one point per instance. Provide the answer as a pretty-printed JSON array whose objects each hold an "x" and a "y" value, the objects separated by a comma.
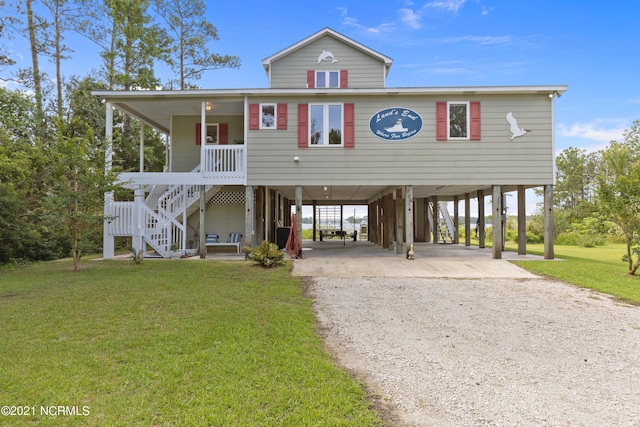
[
  {"x": 381, "y": 28},
  {"x": 482, "y": 40},
  {"x": 485, "y": 10},
  {"x": 596, "y": 131},
  {"x": 449, "y": 5},
  {"x": 342, "y": 10},
  {"x": 410, "y": 18}
]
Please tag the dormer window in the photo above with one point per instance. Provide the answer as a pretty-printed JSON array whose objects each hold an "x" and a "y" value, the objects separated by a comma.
[{"x": 327, "y": 79}]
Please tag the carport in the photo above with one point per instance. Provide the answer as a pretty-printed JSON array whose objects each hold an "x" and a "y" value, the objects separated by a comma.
[{"x": 398, "y": 216}]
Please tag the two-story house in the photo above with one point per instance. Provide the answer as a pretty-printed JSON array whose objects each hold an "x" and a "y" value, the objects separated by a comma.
[{"x": 327, "y": 131}]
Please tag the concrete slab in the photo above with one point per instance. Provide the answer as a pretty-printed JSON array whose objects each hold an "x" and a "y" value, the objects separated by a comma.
[{"x": 364, "y": 259}]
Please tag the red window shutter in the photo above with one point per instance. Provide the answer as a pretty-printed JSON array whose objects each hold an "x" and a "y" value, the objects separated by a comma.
[
  {"x": 344, "y": 79},
  {"x": 474, "y": 115},
  {"x": 282, "y": 117},
  {"x": 349, "y": 126},
  {"x": 223, "y": 133},
  {"x": 441, "y": 121},
  {"x": 303, "y": 125},
  {"x": 254, "y": 116},
  {"x": 311, "y": 79},
  {"x": 198, "y": 134}
]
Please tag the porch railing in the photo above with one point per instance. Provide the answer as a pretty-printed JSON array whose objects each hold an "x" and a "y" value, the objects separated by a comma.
[
  {"x": 224, "y": 163},
  {"x": 120, "y": 218}
]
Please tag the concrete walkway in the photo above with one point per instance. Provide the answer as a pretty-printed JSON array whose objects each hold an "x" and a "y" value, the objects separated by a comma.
[{"x": 335, "y": 258}]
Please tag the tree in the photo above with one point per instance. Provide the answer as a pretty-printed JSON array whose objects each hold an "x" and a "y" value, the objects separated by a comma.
[
  {"x": 619, "y": 191},
  {"x": 190, "y": 33},
  {"x": 66, "y": 15},
  {"x": 575, "y": 176}
]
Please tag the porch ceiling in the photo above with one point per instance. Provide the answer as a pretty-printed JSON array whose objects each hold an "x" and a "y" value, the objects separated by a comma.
[
  {"x": 361, "y": 195},
  {"x": 158, "y": 113}
]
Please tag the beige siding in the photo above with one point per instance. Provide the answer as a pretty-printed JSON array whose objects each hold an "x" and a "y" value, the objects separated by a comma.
[
  {"x": 421, "y": 160},
  {"x": 186, "y": 154},
  {"x": 290, "y": 72}
]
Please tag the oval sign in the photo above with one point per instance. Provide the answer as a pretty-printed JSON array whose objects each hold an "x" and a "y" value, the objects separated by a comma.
[{"x": 395, "y": 123}]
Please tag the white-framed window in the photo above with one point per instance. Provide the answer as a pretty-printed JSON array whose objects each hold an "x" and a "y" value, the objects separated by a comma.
[
  {"x": 327, "y": 79},
  {"x": 268, "y": 115},
  {"x": 326, "y": 124},
  {"x": 458, "y": 120},
  {"x": 213, "y": 134}
]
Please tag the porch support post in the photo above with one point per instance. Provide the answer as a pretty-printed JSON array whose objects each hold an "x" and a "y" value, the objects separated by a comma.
[
  {"x": 137, "y": 242},
  {"x": 496, "y": 202},
  {"x": 548, "y": 222},
  {"x": 141, "y": 146},
  {"x": 467, "y": 220},
  {"x": 408, "y": 219},
  {"x": 456, "y": 225},
  {"x": 203, "y": 134},
  {"x": 108, "y": 242},
  {"x": 299, "y": 212},
  {"x": 202, "y": 245},
  {"x": 480, "y": 225},
  {"x": 522, "y": 221}
]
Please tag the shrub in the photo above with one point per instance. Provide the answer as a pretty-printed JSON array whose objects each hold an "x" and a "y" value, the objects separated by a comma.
[{"x": 267, "y": 254}]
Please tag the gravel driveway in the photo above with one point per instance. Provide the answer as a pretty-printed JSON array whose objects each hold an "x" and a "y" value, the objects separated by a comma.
[{"x": 490, "y": 351}]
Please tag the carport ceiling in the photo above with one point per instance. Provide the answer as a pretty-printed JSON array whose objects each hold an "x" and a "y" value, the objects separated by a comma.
[{"x": 363, "y": 194}]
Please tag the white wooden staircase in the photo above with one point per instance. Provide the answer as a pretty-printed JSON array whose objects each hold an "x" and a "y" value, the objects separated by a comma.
[{"x": 161, "y": 219}]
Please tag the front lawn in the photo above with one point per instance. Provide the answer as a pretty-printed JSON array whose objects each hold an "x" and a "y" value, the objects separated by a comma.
[
  {"x": 168, "y": 343},
  {"x": 600, "y": 268}
]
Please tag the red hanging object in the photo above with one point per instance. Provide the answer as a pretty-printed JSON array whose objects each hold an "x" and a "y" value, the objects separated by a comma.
[{"x": 294, "y": 245}]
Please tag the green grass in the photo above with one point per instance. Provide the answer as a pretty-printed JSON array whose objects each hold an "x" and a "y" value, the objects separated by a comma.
[
  {"x": 169, "y": 343},
  {"x": 600, "y": 268}
]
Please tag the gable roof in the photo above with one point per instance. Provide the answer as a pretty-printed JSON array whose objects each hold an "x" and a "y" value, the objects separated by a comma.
[{"x": 266, "y": 63}]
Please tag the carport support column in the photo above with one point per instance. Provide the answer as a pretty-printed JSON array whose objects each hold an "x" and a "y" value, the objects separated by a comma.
[
  {"x": 548, "y": 222},
  {"x": 408, "y": 218},
  {"x": 480, "y": 223},
  {"x": 399, "y": 218},
  {"x": 522, "y": 221},
  {"x": 456, "y": 225},
  {"x": 467, "y": 220},
  {"x": 299, "y": 212},
  {"x": 496, "y": 202},
  {"x": 249, "y": 216}
]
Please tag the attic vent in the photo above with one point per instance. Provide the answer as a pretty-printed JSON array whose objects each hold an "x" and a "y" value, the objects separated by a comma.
[{"x": 227, "y": 198}]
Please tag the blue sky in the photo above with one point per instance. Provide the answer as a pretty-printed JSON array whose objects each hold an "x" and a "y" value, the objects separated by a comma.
[{"x": 592, "y": 46}]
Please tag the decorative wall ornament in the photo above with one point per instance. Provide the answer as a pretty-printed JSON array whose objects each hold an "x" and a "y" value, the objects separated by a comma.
[
  {"x": 395, "y": 123},
  {"x": 516, "y": 131},
  {"x": 326, "y": 56}
]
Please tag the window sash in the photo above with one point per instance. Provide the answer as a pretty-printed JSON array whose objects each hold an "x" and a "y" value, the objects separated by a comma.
[
  {"x": 458, "y": 120},
  {"x": 326, "y": 124},
  {"x": 268, "y": 116},
  {"x": 327, "y": 79}
]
